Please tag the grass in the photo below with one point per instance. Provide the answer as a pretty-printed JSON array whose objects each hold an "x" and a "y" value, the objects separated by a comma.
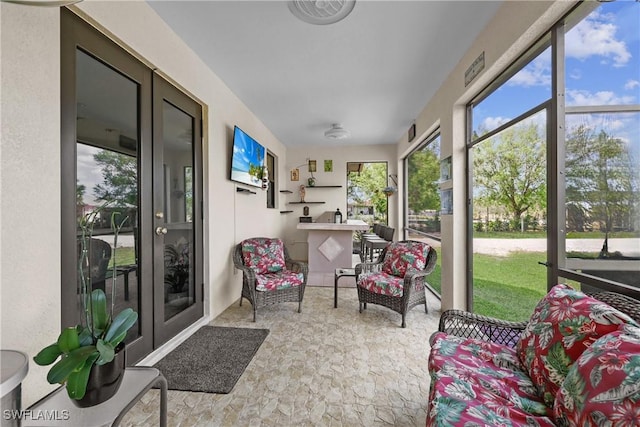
[
  {"x": 504, "y": 287},
  {"x": 543, "y": 235},
  {"x": 508, "y": 287}
]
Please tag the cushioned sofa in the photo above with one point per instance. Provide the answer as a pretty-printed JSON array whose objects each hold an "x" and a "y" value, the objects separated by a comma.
[{"x": 576, "y": 362}]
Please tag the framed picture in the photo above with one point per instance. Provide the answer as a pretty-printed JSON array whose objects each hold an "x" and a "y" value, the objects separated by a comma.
[
  {"x": 295, "y": 175},
  {"x": 328, "y": 165},
  {"x": 312, "y": 166}
]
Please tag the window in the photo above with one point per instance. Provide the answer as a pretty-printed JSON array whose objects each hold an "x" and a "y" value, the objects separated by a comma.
[
  {"x": 574, "y": 173},
  {"x": 271, "y": 191},
  {"x": 422, "y": 213}
]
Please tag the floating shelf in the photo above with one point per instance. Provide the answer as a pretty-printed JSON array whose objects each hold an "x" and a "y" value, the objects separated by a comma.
[
  {"x": 283, "y": 212},
  {"x": 286, "y": 191},
  {"x": 245, "y": 190},
  {"x": 305, "y": 203},
  {"x": 324, "y": 186}
]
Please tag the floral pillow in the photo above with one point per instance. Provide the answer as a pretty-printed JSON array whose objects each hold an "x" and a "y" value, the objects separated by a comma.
[
  {"x": 263, "y": 255},
  {"x": 401, "y": 256},
  {"x": 563, "y": 325},
  {"x": 603, "y": 386}
]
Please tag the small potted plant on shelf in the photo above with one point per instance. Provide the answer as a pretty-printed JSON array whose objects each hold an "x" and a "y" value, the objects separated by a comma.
[{"x": 92, "y": 353}]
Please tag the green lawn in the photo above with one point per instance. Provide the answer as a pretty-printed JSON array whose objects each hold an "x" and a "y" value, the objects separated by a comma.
[
  {"x": 504, "y": 287},
  {"x": 508, "y": 287},
  {"x": 543, "y": 235}
]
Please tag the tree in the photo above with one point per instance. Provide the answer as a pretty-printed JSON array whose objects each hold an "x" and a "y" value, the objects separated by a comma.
[
  {"x": 423, "y": 173},
  {"x": 119, "y": 175},
  {"x": 600, "y": 182},
  {"x": 366, "y": 188},
  {"x": 509, "y": 170}
]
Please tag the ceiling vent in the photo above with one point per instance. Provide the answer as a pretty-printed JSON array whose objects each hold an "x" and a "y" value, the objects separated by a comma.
[
  {"x": 321, "y": 12},
  {"x": 337, "y": 132}
]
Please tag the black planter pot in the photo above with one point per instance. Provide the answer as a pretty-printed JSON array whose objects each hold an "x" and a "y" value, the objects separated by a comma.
[{"x": 104, "y": 380}]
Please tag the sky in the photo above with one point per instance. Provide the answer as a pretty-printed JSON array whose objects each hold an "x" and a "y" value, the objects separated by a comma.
[{"x": 602, "y": 63}]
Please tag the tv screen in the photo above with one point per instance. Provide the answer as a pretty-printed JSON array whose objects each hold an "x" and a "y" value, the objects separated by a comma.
[{"x": 247, "y": 160}]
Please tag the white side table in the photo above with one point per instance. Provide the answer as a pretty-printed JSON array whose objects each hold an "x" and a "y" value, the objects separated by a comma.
[{"x": 56, "y": 409}]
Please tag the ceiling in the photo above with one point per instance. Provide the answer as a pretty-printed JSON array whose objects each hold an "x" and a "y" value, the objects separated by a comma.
[{"x": 372, "y": 72}]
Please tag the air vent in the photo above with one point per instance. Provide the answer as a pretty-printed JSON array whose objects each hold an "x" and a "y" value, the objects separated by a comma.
[{"x": 321, "y": 12}]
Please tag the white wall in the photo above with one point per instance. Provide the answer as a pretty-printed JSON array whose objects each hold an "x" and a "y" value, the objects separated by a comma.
[
  {"x": 516, "y": 25},
  {"x": 30, "y": 166},
  {"x": 30, "y": 158},
  {"x": 296, "y": 240},
  {"x": 30, "y": 185}
]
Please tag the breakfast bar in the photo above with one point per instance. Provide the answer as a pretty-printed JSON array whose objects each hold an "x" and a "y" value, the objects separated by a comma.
[{"x": 331, "y": 245}]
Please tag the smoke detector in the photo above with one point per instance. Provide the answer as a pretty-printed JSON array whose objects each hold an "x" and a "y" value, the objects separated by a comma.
[
  {"x": 321, "y": 12},
  {"x": 337, "y": 132}
]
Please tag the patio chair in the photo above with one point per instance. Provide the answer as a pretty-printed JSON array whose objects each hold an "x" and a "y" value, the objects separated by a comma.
[
  {"x": 99, "y": 257},
  {"x": 269, "y": 275},
  {"x": 398, "y": 280}
]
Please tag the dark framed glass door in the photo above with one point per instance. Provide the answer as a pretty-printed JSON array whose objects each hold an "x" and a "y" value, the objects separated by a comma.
[
  {"x": 177, "y": 217},
  {"x": 110, "y": 153}
]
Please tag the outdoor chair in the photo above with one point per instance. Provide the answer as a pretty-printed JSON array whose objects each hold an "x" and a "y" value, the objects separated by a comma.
[
  {"x": 374, "y": 245},
  {"x": 99, "y": 258},
  {"x": 269, "y": 275},
  {"x": 398, "y": 280}
]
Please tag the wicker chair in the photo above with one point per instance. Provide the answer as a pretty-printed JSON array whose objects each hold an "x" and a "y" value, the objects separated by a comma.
[
  {"x": 469, "y": 325},
  {"x": 413, "y": 285},
  {"x": 256, "y": 293}
]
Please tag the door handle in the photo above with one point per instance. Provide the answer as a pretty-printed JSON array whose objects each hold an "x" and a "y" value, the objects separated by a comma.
[
  {"x": 161, "y": 231},
  {"x": 546, "y": 264}
]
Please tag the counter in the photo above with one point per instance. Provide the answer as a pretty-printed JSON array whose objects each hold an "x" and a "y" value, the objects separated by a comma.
[{"x": 331, "y": 245}]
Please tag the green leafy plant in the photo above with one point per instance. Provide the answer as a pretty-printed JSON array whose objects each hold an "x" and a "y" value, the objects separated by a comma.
[
  {"x": 176, "y": 261},
  {"x": 94, "y": 341}
]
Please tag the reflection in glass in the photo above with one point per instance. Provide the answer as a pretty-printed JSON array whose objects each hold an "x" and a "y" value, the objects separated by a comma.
[
  {"x": 179, "y": 276},
  {"x": 107, "y": 172},
  {"x": 602, "y": 186}
]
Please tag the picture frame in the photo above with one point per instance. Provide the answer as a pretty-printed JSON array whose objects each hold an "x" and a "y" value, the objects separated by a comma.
[
  {"x": 295, "y": 174},
  {"x": 328, "y": 165},
  {"x": 312, "y": 166}
]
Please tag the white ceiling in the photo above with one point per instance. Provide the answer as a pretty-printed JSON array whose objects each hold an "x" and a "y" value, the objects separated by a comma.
[{"x": 373, "y": 72}]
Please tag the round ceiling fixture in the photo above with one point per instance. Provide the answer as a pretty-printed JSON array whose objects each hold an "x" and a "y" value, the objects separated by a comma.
[
  {"x": 321, "y": 12},
  {"x": 337, "y": 132}
]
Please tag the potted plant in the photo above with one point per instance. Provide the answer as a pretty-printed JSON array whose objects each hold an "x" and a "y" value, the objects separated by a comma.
[
  {"x": 93, "y": 351},
  {"x": 176, "y": 261}
]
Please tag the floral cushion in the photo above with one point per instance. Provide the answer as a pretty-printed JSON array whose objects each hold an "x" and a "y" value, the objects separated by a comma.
[
  {"x": 563, "y": 325},
  {"x": 382, "y": 283},
  {"x": 479, "y": 383},
  {"x": 603, "y": 386},
  {"x": 279, "y": 280},
  {"x": 402, "y": 256},
  {"x": 263, "y": 255}
]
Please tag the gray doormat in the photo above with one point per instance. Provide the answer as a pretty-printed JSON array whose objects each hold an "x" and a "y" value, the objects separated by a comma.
[{"x": 212, "y": 359}]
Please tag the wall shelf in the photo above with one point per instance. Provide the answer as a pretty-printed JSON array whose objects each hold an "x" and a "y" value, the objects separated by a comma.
[
  {"x": 286, "y": 191},
  {"x": 245, "y": 190},
  {"x": 305, "y": 203},
  {"x": 284, "y": 212},
  {"x": 325, "y": 186}
]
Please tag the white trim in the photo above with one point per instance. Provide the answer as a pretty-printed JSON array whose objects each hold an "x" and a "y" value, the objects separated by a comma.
[{"x": 174, "y": 342}]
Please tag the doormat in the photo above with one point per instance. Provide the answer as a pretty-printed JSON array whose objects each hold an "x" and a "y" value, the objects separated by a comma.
[{"x": 212, "y": 359}]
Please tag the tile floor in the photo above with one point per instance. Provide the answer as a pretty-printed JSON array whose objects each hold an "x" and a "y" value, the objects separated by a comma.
[{"x": 321, "y": 367}]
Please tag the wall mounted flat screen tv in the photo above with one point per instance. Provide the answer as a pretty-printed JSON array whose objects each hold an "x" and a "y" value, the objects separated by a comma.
[{"x": 247, "y": 160}]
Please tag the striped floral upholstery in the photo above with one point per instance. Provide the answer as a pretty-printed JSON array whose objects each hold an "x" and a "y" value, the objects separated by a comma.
[
  {"x": 263, "y": 255},
  {"x": 279, "y": 280}
]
